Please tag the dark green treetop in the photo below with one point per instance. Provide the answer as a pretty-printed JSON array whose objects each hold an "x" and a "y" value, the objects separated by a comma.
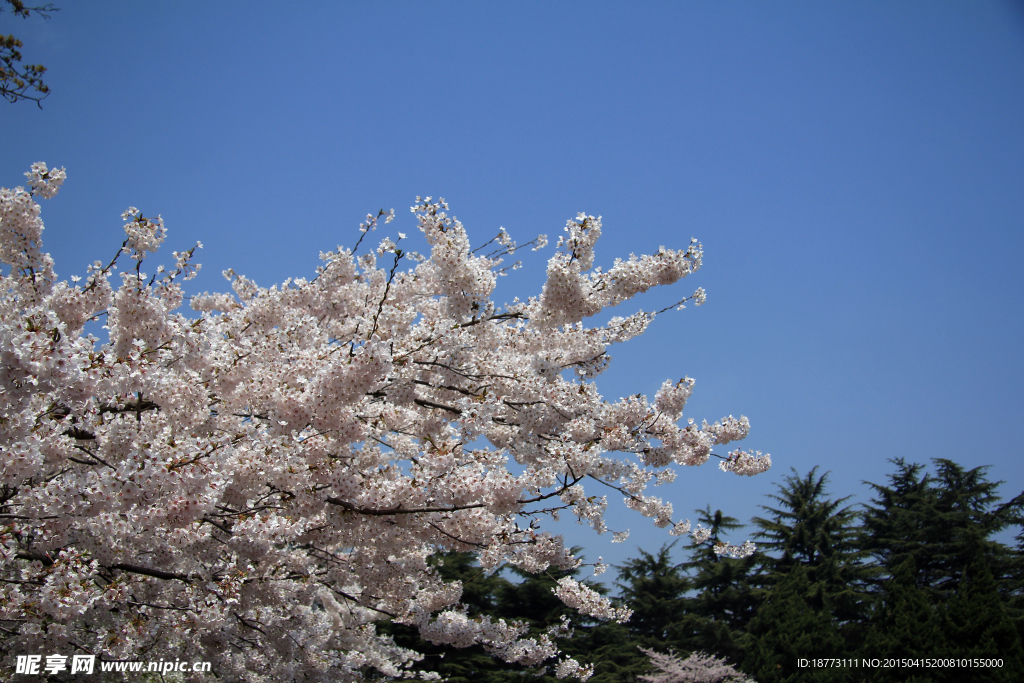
[{"x": 819, "y": 534}]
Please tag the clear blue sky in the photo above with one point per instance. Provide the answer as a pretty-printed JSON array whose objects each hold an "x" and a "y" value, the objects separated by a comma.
[{"x": 855, "y": 172}]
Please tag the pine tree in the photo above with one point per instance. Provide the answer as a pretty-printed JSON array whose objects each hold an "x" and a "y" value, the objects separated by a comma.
[
  {"x": 980, "y": 626},
  {"x": 603, "y": 644},
  {"x": 819, "y": 535},
  {"x": 794, "y": 623},
  {"x": 1015, "y": 601},
  {"x": 724, "y": 599},
  {"x": 906, "y": 625},
  {"x": 947, "y": 587},
  {"x": 934, "y": 520},
  {"x": 530, "y": 599},
  {"x": 653, "y": 586}
]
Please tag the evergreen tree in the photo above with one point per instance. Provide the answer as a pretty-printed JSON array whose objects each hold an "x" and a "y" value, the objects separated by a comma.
[
  {"x": 947, "y": 586},
  {"x": 934, "y": 520},
  {"x": 980, "y": 626},
  {"x": 811, "y": 595},
  {"x": 529, "y": 599},
  {"x": 532, "y": 599},
  {"x": 906, "y": 625},
  {"x": 896, "y": 526},
  {"x": 794, "y": 623},
  {"x": 724, "y": 599},
  {"x": 613, "y": 651},
  {"x": 1015, "y": 600},
  {"x": 818, "y": 535},
  {"x": 653, "y": 586}
]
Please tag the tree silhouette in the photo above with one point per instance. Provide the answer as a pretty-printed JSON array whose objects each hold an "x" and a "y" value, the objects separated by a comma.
[
  {"x": 935, "y": 519},
  {"x": 17, "y": 81},
  {"x": 811, "y": 531}
]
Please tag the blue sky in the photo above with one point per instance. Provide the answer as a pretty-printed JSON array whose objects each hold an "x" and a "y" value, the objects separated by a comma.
[{"x": 855, "y": 172}]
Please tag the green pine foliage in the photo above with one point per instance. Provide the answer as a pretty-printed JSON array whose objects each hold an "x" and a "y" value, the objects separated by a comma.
[
  {"x": 933, "y": 519},
  {"x": 1015, "y": 592},
  {"x": 818, "y": 535},
  {"x": 794, "y": 622},
  {"x": 613, "y": 651},
  {"x": 906, "y": 625},
  {"x": 532, "y": 600},
  {"x": 980, "y": 626},
  {"x": 724, "y": 598},
  {"x": 653, "y": 586},
  {"x": 808, "y": 529},
  {"x": 917, "y": 573},
  {"x": 931, "y": 537},
  {"x": 529, "y": 598}
]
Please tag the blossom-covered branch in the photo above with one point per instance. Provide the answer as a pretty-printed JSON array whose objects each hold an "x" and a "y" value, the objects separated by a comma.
[{"x": 259, "y": 482}]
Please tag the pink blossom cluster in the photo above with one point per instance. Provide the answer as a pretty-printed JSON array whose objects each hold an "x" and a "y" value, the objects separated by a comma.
[
  {"x": 588, "y": 601},
  {"x": 747, "y": 464},
  {"x": 699, "y": 667},
  {"x": 259, "y": 482}
]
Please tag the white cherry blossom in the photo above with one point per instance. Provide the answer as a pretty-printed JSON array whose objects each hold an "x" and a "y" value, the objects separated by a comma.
[{"x": 258, "y": 482}]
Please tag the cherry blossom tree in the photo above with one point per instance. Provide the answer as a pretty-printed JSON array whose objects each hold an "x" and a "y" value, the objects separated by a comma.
[
  {"x": 257, "y": 483},
  {"x": 697, "y": 668}
]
